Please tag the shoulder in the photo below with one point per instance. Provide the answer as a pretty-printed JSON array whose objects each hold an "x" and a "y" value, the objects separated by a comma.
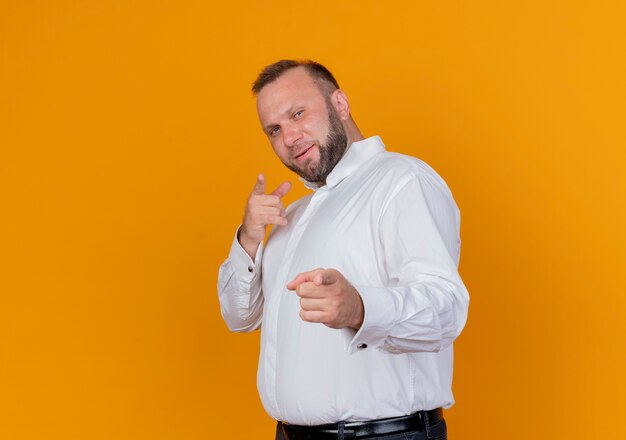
[
  {"x": 411, "y": 188},
  {"x": 393, "y": 171}
]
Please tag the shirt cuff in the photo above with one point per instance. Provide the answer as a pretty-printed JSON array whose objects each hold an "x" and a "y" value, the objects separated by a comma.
[
  {"x": 246, "y": 269},
  {"x": 378, "y": 321}
]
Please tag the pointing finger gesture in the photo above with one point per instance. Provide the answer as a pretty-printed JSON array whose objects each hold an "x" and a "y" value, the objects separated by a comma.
[
  {"x": 327, "y": 297},
  {"x": 261, "y": 210}
]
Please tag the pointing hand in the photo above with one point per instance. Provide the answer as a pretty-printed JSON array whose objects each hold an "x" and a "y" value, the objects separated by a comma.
[
  {"x": 262, "y": 210},
  {"x": 327, "y": 297}
]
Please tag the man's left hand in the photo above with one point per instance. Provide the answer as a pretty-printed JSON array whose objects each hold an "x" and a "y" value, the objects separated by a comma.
[{"x": 327, "y": 297}]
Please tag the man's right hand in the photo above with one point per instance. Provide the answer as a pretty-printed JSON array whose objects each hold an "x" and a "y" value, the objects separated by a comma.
[{"x": 261, "y": 210}]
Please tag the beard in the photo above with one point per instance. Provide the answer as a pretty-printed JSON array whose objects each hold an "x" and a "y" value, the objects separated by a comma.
[{"x": 330, "y": 152}]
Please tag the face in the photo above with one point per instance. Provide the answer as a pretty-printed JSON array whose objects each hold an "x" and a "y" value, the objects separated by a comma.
[{"x": 303, "y": 127}]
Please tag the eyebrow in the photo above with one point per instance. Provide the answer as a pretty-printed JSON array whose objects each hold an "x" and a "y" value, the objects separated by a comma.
[{"x": 267, "y": 128}]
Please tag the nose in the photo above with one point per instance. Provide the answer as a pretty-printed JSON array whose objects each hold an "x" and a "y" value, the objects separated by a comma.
[{"x": 291, "y": 134}]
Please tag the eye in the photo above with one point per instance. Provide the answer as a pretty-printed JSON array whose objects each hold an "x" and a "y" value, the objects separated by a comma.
[
  {"x": 298, "y": 114},
  {"x": 274, "y": 130}
]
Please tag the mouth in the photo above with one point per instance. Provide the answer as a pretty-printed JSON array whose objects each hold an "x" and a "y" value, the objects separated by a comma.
[{"x": 303, "y": 152}]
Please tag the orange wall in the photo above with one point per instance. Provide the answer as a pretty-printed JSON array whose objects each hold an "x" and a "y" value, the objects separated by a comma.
[{"x": 129, "y": 142}]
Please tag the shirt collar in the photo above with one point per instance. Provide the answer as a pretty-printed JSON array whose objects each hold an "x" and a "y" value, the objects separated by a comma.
[{"x": 358, "y": 153}]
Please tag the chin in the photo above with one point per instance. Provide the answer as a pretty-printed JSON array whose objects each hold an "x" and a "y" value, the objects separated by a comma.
[{"x": 312, "y": 171}]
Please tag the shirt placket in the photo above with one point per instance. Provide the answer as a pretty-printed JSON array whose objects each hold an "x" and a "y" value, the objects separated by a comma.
[{"x": 284, "y": 276}]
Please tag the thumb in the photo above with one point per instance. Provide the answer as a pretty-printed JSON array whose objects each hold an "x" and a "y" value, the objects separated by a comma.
[
  {"x": 259, "y": 186},
  {"x": 328, "y": 276},
  {"x": 282, "y": 189}
]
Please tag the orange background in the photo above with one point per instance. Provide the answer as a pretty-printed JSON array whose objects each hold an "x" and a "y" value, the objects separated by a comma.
[{"x": 128, "y": 145}]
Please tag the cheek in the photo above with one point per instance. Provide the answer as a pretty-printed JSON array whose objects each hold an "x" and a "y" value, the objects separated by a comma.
[
  {"x": 279, "y": 150},
  {"x": 319, "y": 130}
]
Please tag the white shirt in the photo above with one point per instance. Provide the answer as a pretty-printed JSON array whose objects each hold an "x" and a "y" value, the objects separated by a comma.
[{"x": 389, "y": 224}]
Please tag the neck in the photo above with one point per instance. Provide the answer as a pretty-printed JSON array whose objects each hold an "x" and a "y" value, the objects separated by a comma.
[{"x": 352, "y": 132}]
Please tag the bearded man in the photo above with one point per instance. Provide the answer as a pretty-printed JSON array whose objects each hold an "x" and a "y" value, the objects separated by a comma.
[{"x": 356, "y": 290}]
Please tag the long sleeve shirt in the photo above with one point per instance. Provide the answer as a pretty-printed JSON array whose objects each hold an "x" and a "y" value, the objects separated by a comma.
[{"x": 389, "y": 224}]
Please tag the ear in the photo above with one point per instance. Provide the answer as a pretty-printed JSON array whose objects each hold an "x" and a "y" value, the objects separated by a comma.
[{"x": 341, "y": 104}]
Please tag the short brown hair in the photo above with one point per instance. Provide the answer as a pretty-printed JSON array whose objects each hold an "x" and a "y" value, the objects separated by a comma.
[{"x": 322, "y": 76}]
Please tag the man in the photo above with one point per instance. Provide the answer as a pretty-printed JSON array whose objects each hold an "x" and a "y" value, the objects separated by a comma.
[{"x": 357, "y": 289}]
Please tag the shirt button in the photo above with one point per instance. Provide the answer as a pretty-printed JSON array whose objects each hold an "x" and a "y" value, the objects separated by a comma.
[
  {"x": 362, "y": 345},
  {"x": 250, "y": 269}
]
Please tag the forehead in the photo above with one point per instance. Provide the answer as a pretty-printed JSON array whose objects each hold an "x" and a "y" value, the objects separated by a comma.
[{"x": 295, "y": 87}]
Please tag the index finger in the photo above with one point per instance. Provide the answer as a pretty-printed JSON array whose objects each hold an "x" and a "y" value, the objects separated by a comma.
[
  {"x": 314, "y": 276},
  {"x": 259, "y": 186}
]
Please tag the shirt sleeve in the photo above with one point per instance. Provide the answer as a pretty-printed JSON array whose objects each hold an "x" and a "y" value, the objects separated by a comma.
[
  {"x": 239, "y": 289},
  {"x": 424, "y": 306}
]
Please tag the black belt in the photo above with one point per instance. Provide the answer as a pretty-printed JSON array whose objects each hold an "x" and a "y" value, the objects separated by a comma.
[{"x": 413, "y": 422}]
